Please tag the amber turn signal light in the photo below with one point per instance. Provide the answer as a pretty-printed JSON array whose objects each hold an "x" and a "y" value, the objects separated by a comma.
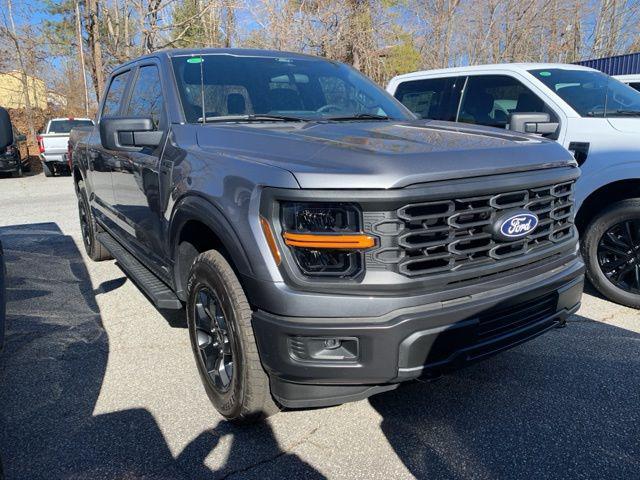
[
  {"x": 337, "y": 242},
  {"x": 271, "y": 241}
]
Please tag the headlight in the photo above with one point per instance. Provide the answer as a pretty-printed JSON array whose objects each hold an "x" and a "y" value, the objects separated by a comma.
[{"x": 325, "y": 239}]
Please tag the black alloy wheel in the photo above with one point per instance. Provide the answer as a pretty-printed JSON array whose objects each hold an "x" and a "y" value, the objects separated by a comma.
[
  {"x": 611, "y": 251},
  {"x": 221, "y": 335},
  {"x": 619, "y": 255},
  {"x": 85, "y": 224},
  {"x": 88, "y": 227},
  {"x": 214, "y": 340}
]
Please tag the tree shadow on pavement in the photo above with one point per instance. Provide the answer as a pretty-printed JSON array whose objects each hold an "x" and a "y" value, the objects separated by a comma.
[
  {"x": 51, "y": 375},
  {"x": 562, "y": 406}
]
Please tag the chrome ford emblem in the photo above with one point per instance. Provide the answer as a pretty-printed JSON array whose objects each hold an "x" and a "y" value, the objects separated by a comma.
[{"x": 515, "y": 225}]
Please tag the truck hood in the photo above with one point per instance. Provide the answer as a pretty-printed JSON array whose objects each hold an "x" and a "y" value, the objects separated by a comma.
[
  {"x": 627, "y": 125},
  {"x": 382, "y": 154}
]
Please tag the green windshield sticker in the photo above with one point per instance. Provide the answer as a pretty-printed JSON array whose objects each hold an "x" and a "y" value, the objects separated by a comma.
[
  {"x": 195, "y": 60},
  {"x": 545, "y": 74}
]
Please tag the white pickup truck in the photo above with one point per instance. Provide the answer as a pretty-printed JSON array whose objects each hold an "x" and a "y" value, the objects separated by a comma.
[
  {"x": 593, "y": 115},
  {"x": 54, "y": 141},
  {"x": 632, "y": 80}
]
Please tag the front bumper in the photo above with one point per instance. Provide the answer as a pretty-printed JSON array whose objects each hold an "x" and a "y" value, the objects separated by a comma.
[{"x": 408, "y": 343}]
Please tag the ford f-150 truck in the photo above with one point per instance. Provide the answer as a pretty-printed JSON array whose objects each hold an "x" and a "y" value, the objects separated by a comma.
[
  {"x": 54, "y": 142},
  {"x": 327, "y": 244}
]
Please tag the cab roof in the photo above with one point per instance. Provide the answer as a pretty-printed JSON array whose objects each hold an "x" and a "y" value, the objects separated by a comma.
[
  {"x": 521, "y": 67},
  {"x": 240, "y": 52}
]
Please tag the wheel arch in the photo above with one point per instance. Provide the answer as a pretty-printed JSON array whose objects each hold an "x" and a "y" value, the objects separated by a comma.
[
  {"x": 202, "y": 224},
  {"x": 604, "y": 196}
]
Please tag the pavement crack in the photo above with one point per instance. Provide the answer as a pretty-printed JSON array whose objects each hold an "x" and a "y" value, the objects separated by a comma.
[{"x": 273, "y": 458}]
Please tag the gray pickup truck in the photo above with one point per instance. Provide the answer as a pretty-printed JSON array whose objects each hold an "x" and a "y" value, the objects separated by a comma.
[{"x": 327, "y": 244}]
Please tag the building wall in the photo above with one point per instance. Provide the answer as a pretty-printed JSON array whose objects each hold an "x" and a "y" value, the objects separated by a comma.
[
  {"x": 12, "y": 93},
  {"x": 618, "y": 65}
]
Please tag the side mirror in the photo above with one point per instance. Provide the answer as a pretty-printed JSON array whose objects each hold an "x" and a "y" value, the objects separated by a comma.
[
  {"x": 532, "y": 123},
  {"x": 6, "y": 130},
  {"x": 129, "y": 134}
]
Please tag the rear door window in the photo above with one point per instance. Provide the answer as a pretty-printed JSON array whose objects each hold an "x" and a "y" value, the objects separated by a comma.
[
  {"x": 433, "y": 98},
  {"x": 65, "y": 126},
  {"x": 490, "y": 99},
  {"x": 146, "y": 97},
  {"x": 635, "y": 85},
  {"x": 115, "y": 95}
]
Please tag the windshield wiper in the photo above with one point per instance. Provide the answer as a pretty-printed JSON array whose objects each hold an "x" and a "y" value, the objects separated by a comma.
[
  {"x": 631, "y": 113},
  {"x": 358, "y": 116},
  {"x": 252, "y": 118},
  {"x": 613, "y": 113}
]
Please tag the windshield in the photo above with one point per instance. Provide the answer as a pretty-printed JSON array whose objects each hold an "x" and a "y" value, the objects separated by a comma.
[
  {"x": 590, "y": 93},
  {"x": 236, "y": 88},
  {"x": 65, "y": 126}
]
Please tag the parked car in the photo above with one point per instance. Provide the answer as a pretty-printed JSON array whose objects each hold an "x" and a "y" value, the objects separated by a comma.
[
  {"x": 53, "y": 144},
  {"x": 632, "y": 80},
  {"x": 6, "y": 139},
  {"x": 11, "y": 159},
  {"x": 591, "y": 114},
  {"x": 327, "y": 244}
]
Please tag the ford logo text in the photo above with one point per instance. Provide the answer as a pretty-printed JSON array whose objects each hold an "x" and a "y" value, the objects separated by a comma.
[{"x": 516, "y": 225}]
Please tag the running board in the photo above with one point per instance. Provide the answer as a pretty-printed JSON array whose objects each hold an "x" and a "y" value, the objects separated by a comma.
[{"x": 158, "y": 291}]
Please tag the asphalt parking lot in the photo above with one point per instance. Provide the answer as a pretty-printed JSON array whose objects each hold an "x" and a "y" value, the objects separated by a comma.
[{"x": 97, "y": 383}]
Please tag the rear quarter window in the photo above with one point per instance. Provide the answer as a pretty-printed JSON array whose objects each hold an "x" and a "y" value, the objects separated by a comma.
[
  {"x": 65, "y": 126},
  {"x": 433, "y": 98}
]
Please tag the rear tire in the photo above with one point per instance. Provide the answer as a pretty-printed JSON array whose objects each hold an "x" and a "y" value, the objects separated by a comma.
[
  {"x": 47, "y": 171},
  {"x": 89, "y": 228},
  {"x": 219, "y": 320},
  {"x": 605, "y": 244}
]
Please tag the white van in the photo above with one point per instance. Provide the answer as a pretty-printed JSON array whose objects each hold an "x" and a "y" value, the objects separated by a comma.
[{"x": 591, "y": 114}]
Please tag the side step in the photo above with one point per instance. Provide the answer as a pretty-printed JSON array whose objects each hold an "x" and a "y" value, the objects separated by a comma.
[{"x": 159, "y": 293}]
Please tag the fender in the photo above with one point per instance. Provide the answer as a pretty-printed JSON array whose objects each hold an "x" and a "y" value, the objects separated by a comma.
[
  {"x": 193, "y": 207},
  {"x": 593, "y": 180}
]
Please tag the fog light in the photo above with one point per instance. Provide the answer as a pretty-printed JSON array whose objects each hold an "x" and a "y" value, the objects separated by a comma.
[
  {"x": 331, "y": 349},
  {"x": 331, "y": 343}
]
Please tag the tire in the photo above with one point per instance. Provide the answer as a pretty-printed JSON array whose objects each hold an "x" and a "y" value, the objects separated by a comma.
[
  {"x": 18, "y": 173},
  {"x": 247, "y": 397},
  {"x": 603, "y": 246},
  {"x": 47, "y": 171},
  {"x": 89, "y": 228}
]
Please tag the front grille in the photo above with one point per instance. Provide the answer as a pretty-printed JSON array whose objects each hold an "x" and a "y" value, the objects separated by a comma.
[{"x": 455, "y": 234}]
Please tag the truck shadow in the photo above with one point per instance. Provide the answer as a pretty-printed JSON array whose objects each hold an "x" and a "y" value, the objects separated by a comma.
[
  {"x": 52, "y": 372},
  {"x": 562, "y": 406}
]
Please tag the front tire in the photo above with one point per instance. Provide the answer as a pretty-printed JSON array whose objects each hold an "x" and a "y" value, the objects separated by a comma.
[
  {"x": 225, "y": 350},
  {"x": 89, "y": 228},
  {"x": 611, "y": 250}
]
